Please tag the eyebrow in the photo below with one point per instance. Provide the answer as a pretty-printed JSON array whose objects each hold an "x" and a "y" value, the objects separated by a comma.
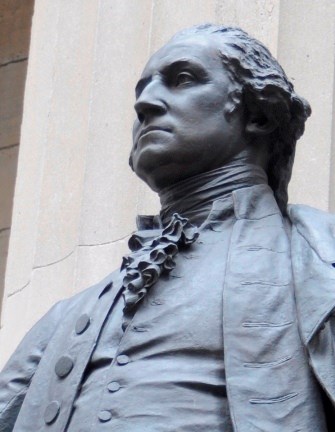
[{"x": 175, "y": 64}]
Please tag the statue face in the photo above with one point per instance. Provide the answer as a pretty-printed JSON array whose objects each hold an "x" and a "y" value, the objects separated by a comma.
[{"x": 181, "y": 102}]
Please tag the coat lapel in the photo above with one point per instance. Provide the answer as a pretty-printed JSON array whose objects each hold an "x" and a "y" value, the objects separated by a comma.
[{"x": 269, "y": 383}]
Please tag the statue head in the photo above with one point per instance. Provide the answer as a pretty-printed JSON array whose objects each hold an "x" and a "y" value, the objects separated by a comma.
[{"x": 211, "y": 95}]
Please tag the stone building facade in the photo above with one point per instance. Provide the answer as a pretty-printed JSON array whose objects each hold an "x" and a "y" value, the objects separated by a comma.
[{"x": 66, "y": 224}]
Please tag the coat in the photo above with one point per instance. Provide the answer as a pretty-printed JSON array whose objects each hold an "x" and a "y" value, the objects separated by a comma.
[{"x": 264, "y": 394}]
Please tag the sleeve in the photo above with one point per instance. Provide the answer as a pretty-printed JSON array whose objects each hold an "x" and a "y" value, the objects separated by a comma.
[{"x": 22, "y": 365}]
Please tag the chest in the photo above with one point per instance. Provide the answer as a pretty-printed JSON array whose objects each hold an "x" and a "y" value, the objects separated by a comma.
[{"x": 182, "y": 311}]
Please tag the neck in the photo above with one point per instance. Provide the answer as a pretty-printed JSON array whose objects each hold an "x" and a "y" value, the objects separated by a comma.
[{"x": 193, "y": 197}]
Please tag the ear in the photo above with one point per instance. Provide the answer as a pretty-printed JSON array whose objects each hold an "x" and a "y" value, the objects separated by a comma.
[{"x": 259, "y": 123}]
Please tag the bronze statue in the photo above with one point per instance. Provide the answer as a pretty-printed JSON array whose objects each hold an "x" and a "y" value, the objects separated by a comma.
[{"x": 221, "y": 317}]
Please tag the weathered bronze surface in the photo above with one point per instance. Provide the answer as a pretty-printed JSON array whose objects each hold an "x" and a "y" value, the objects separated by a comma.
[{"x": 221, "y": 316}]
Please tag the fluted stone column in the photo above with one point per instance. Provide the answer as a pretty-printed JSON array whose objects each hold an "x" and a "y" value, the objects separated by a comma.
[
  {"x": 76, "y": 198},
  {"x": 15, "y": 24},
  {"x": 306, "y": 51}
]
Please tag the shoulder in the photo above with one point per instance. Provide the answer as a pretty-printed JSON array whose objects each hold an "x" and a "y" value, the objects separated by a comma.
[
  {"x": 44, "y": 329},
  {"x": 313, "y": 262},
  {"x": 85, "y": 296},
  {"x": 317, "y": 227},
  {"x": 300, "y": 213}
]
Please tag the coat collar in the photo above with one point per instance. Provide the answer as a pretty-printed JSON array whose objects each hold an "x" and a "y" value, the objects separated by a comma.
[{"x": 255, "y": 202}]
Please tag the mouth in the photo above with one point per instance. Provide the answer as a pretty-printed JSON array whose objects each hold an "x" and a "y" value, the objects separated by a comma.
[{"x": 150, "y": 129}]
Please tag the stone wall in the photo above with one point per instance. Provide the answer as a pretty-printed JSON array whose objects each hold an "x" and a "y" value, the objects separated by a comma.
[
  {"x": 15, "y": 25},
  {"x": 76, "y": 198}
]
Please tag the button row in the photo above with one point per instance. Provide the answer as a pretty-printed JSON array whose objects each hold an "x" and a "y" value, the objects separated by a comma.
[
  {"x": 64, "y": 366},
  {"x": 113, "y": 386},
  {"x": 105, "y": 415},
  {"x": 65, "y": 363}
]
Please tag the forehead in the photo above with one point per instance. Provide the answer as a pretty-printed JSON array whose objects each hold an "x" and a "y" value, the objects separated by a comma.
[{"x": 202, "y": 49}]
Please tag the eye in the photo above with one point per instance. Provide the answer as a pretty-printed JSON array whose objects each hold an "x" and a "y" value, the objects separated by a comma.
[{"x": 183, "y": 78}]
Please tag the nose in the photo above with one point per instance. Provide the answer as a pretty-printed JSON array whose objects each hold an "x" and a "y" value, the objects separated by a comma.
[{"x": 150, "y": 103}]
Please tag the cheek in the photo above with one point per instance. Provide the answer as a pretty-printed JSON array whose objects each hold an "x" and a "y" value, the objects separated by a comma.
[
  {"x": 211, "y": 111},
  {"x": 213, "y": 101},
  {"x": 203, "y": 119},
  {"x": 198, "y": 103}
]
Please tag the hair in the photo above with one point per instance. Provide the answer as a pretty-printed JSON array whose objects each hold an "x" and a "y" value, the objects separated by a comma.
[{"x": 262, "y": 82}]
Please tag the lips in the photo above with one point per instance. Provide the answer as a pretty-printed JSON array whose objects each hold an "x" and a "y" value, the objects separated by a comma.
[{"x": 153, "y": 129}]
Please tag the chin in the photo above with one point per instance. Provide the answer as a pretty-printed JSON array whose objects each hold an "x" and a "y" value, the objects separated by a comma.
[{"x": 156, "y": 176}]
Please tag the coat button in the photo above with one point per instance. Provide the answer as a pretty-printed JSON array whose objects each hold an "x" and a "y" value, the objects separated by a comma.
[
  {"x": 82, "y": 323},
  {"x": 122, "y": 359},
  {"x": 113, "y": 386},
  {"x": 51, "y": 412},
  {"x": 64, "y": 366},
  {"x": 104, "y": 416}
]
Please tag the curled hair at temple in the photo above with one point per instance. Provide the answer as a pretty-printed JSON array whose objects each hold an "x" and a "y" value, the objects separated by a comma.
[{"x": 262, "y": 82}]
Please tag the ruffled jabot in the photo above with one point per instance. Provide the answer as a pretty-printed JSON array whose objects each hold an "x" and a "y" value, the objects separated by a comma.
[{"x": 152, "y": 257}]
